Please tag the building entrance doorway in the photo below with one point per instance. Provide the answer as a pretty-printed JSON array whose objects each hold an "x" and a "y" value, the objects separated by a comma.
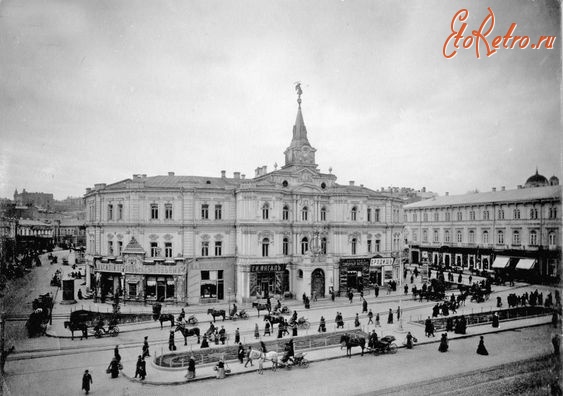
[{"x": 318, "y": 283}]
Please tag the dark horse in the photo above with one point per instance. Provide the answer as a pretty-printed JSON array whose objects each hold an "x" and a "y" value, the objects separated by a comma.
[
  {"x": 274, "y": 319},
  {"x": 194, "y": 331},
  {"x": 164, "y": 318},
  {"x": 216, "y": 312},
  {"x": 156, "y": 315},
  {"x": 77, "y": 327},
  {"x": 261, "y": 307},
  {"x": 352, "y": 341}
]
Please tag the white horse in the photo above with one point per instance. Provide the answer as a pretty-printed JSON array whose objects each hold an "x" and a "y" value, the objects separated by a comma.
[{"x": 271, "y": 356}]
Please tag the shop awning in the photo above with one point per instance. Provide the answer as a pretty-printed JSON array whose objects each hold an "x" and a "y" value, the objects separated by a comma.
[
  {"x": 526, "y": 263},
  {"x": 501, "y": 262}
]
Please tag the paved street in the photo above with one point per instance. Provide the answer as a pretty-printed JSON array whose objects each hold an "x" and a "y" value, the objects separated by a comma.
[{"x": 49, "y": 363}]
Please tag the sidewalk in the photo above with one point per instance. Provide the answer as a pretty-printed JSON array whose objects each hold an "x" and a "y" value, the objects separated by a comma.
[{"x": 157, "y": 375}]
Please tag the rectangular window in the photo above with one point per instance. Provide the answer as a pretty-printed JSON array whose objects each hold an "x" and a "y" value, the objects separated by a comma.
[
  {"x": 369, "y": 215},
  {"x": 459, "y": 237},
  {"x": 501, "y": 214},
  {"x": 472, "y": 215},
  {"x": 167, "y": 249},
  {"x": 459, "y": 216},
  {"x": 218, "y": 212},
  {"x": 285, "y": 247},
  {"x": 110, "y": 248},
  {"x": 120, "y": 212},
  {"x": 486, "y": 215},
  {"x": 471, "y": 237},
  {"x": 425, "y": 217},
  {"x": 414, "y": 236},
  {"x": 436, "y": 236},
  {"x": 168, "y": 211},
  {"x": 446, "y": 236},
  {"x": 218, "y": 248},
  {"x": 132, "y": 290},
  {"x": 485, "y": 237},
  {"x": 377, "y": 211},
  {"x": 448, "y": 218},
  {"x": 154, "y": 249},
  {"x": 516, "y": 238},
  {"x": 205, "y": 248},
  {"x": 369, "y": 245},
  {"x": 436, "y": 216},
  {"x": 377, "y": 246},
  {"x": 110, "y": 212},
  {"x": 119, "y": 247},
  {"x": 500, "y": 238},
  {"x": 285, "y": 213},
  {"x": 154, "y": 211},
  {"x": 205, "y": 211}
]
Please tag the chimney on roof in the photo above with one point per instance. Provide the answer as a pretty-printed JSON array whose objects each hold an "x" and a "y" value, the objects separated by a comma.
[
  {"x": 223, "y": 173},
  {"x": 88, "y": 190},
  {"x": 423, "y": 189},
  {"x": 243, "y": 176},
  {"x": 351, "y": 182},
  {"x": 144, "y": 175},
  {"x": 257, "y": 172},
  {"x": 264, "y": 169},
  {"x": 170, "y": 173},
  {"x": 503, "y": 188},
  {"x": 361, "y": 185},
  {"x": 99, "y": 186},
  {"x": 447, "y": 193},
  {"x": 236, "y": 175},
  {"x": 494, "y": 189}
]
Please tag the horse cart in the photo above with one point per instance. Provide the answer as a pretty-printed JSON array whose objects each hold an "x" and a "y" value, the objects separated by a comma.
[
  {"x": 39, "y": 319},
  {"x": 384, "y": 345}
]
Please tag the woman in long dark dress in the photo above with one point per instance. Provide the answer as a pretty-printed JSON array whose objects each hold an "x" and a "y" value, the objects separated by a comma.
[
  {"x": 495, "y": 320},
  {"x": 409, "y": 343},
  {"x": 114, "y": 368},
  {"x": 481, "y": 350},
  {"x": 204, "y": 343},
  {"x": 86, "y": 381},
  {"x": 390, "y": 316},
  {"x": 443, "y": 343},
  {"x": 191, "y": 368}
]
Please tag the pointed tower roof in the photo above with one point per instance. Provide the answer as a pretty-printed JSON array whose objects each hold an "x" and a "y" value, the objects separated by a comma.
[
  {"x": 300, "y": 152},
  {"x": 299, "y": 131}
]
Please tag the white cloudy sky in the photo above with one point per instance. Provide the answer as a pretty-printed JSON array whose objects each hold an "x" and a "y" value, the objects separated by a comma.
[{"x": 94, "y": 91}]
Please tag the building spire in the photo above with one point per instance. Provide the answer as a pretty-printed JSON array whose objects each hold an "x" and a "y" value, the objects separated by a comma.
[
  {"x": 299, "y": 93},
  {"x": 299, "y": 151}
]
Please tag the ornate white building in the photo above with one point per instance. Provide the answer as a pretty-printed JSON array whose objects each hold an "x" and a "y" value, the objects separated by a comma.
[
  {"x": 206, "y": 239},
  {"x": 512, "y": 230}
]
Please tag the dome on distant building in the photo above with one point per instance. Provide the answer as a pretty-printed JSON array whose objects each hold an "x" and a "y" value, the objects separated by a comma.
[
  {"x": 536, "y": 180},
  {"x": 553, "y": 181}
]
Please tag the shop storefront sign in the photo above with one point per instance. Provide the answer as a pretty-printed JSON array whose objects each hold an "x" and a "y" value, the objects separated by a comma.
[
  {"x": 131, "y": 268},
  {"x": 379, "y": 262},
  {"x": 267, "y": 267}
]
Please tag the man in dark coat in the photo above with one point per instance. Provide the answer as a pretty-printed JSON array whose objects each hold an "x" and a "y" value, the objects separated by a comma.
[
  {"x": 113, "y": 368},
  {"x": 146, "y": 347},
  {"x": 240, "y": 353},
  {"x": 222, "y": 335},
  {"x": 427, "y": 324},
  {"x": 171, "y": 345},
  {"x": 237, "y": 336},
  {"x": 376, "y": 290},
  {"x": 495, "y": 320},
  {"x": 86, "y": 381},
  {"x": 364, "y": 306},
  {"x": 390, "y": 316},
  {"x": 138, "y": 367}
]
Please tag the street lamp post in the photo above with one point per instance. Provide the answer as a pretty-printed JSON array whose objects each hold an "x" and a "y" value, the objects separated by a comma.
[{"x": 123, "y": 284}]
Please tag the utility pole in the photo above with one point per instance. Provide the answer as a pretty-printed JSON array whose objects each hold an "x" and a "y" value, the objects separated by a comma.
[{"x": 3, "y": 352}]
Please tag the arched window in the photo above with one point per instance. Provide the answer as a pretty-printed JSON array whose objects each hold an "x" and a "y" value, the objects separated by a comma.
[
  {"x": 485, "y": 236},
  {"x": 285, "y": 212},
  {"x": 323, "y": 214},
  {"x": 447, "y": 236},
  {"x": 354, "y": 214},
  {"x": 304, "y": 245},
  {"x": 323, "y": 245},
  {"x": 424, "y": 236},
  {"x": 516, "y": 238},
  {"x": 265, "y": 247},
  {"x": 500, "y": 237},
  {"x": 354, "y": 245},
  {"x": 265, "y": 211},
  {"x": 459, "y": 237},
  {"x": 305, "y": 213},
  {"x": 285, "y": 246},
  {"x": 533, "y": 237},
  {"x": 551, "y": 238},
  {"x": 300, "y": 274}
]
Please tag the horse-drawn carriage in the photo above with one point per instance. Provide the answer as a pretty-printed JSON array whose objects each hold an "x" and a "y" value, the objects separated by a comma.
[
  {"x": 302, "y": 323},
  {"x": 81, "y": 320},
  {"x": 384, "y": 345},
  {"x": 39, "y": 319}
]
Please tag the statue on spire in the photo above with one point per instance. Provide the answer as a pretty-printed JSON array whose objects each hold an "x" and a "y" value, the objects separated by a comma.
[{"x": 299, "y": 92}]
